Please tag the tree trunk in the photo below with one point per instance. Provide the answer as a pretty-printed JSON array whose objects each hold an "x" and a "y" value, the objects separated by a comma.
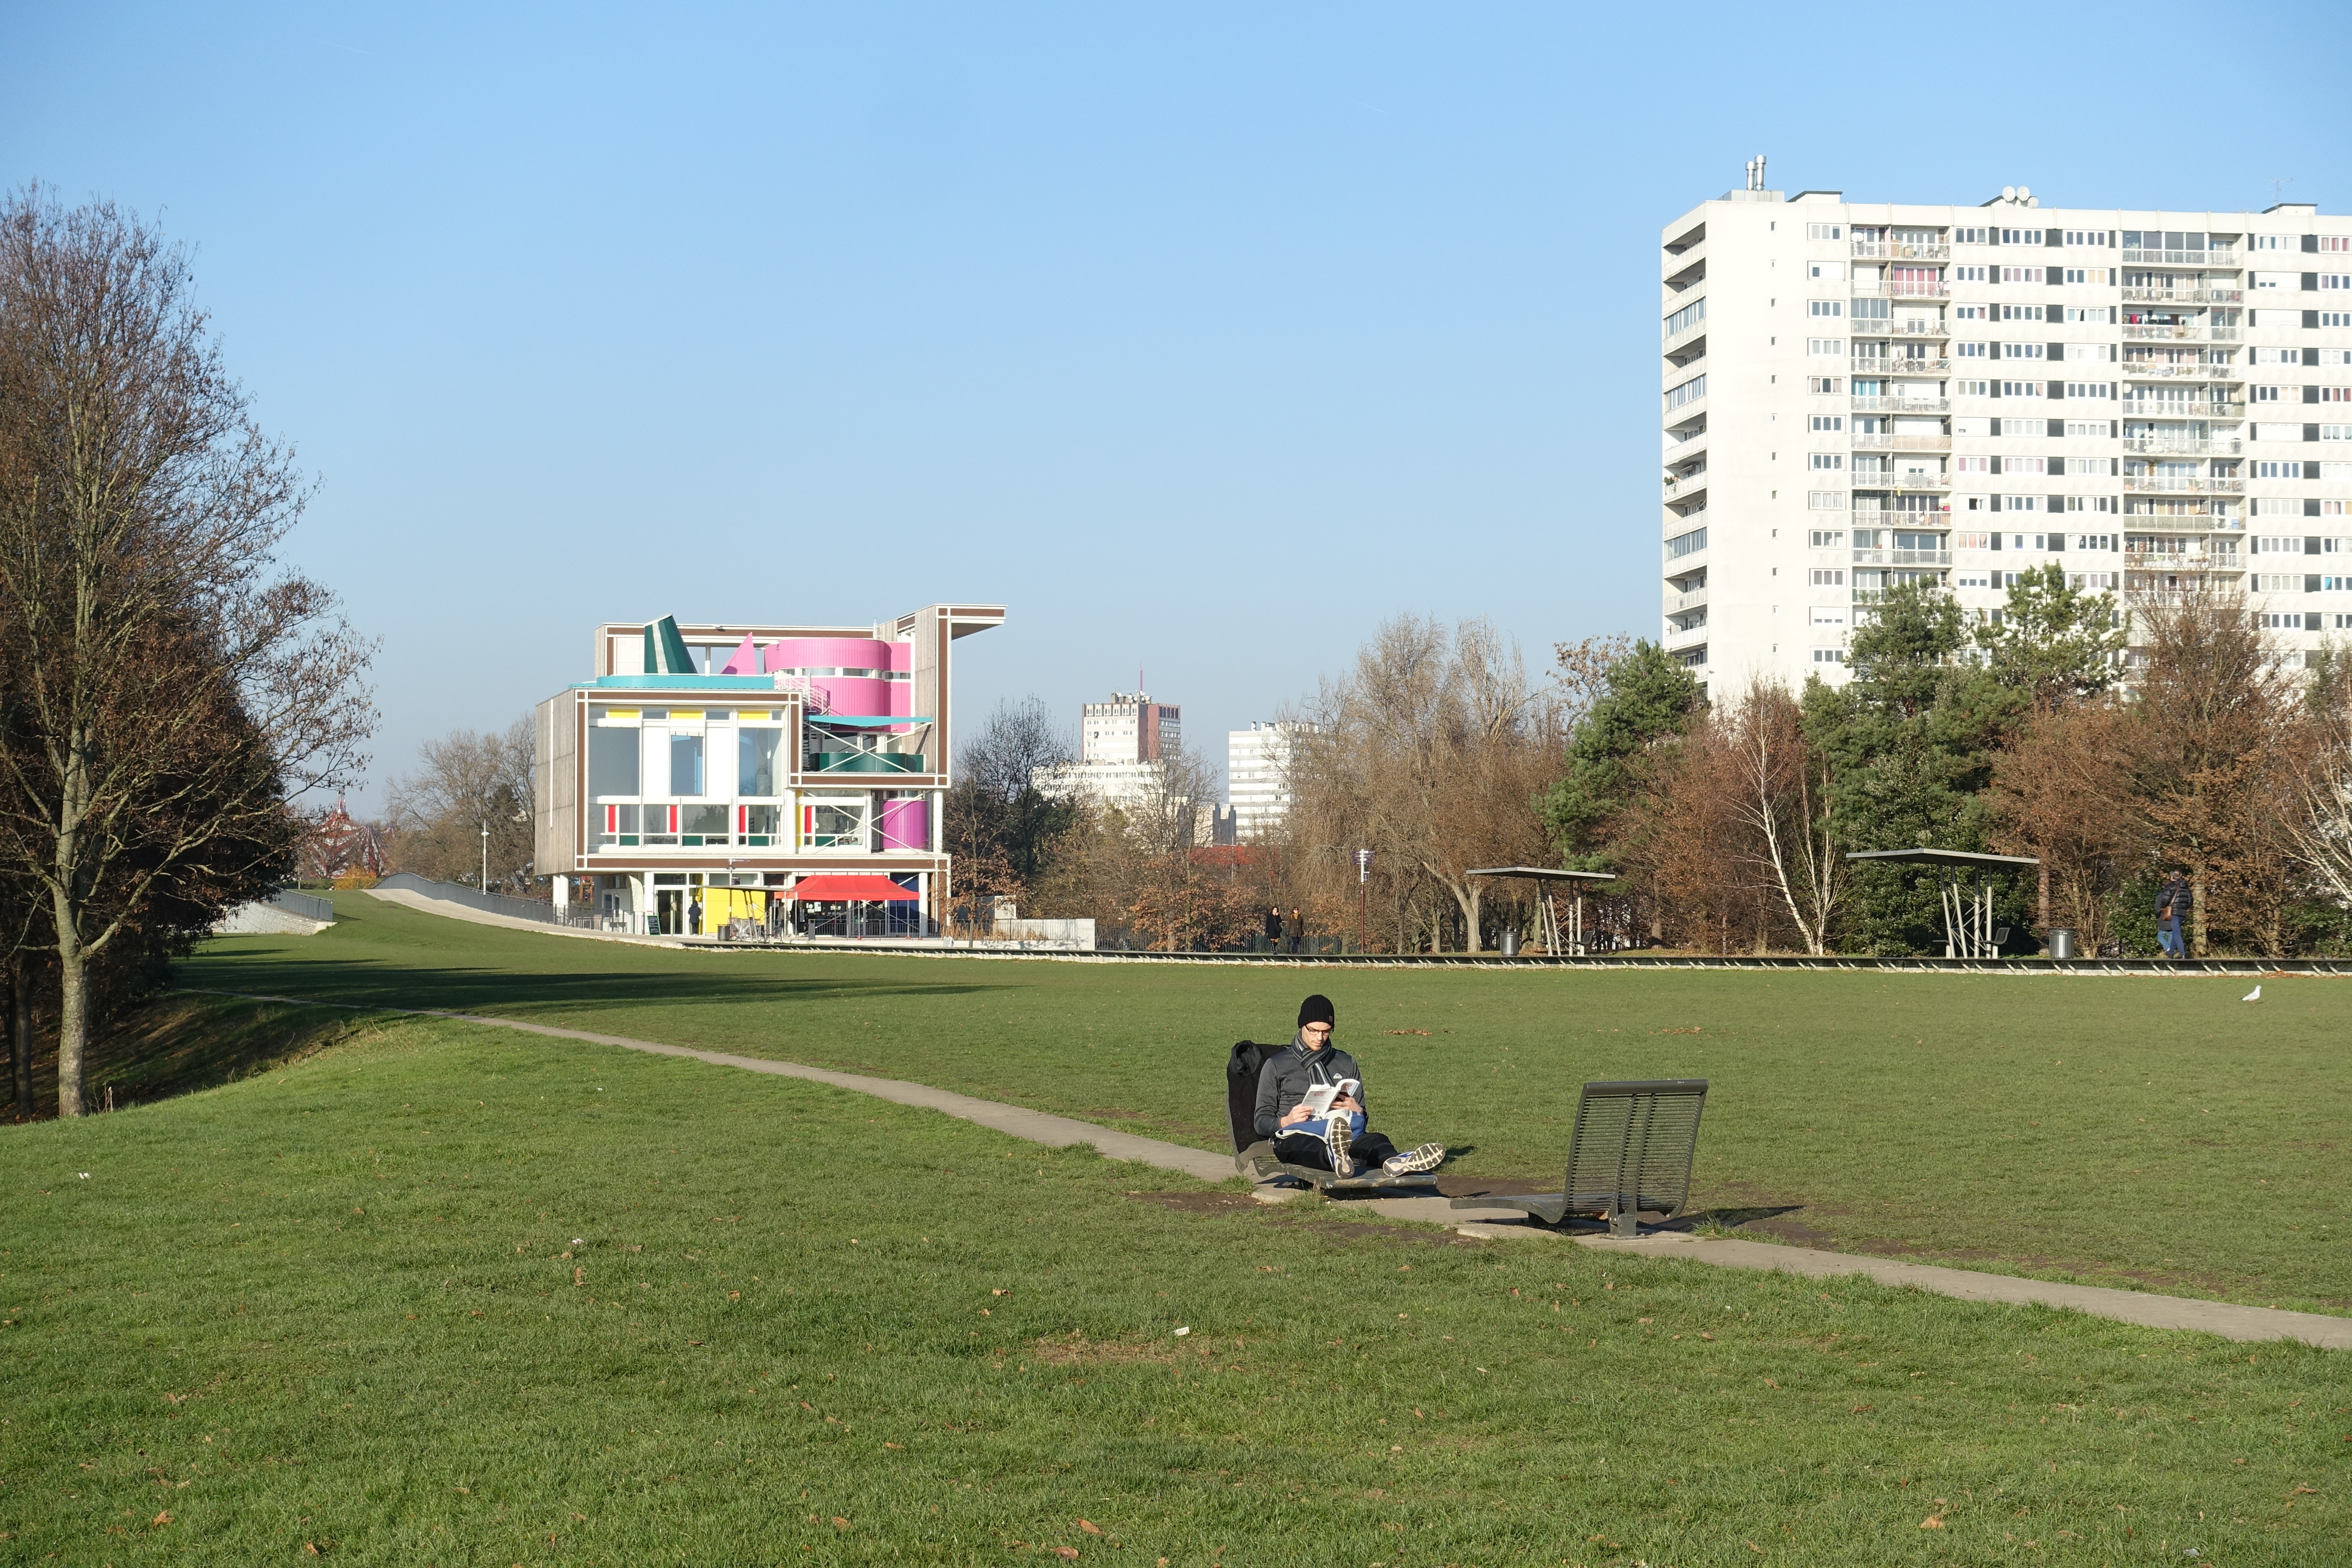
[{"x": 73, "y": 1013}]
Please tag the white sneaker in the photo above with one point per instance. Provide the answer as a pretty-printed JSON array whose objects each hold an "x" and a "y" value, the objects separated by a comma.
[
  {"x": 1336, "y": 1136},
  {"x": 1428, "y": 1157}
]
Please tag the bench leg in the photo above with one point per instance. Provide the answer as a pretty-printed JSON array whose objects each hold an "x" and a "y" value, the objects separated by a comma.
[{"x": 1625, "y": 1221}]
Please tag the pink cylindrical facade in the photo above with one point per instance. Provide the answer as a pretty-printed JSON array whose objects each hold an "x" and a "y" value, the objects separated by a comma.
[
  {"x": 902, "y": 690},
  {"x": 865, "y": 695},
  {"x": 906, "y": 823}
]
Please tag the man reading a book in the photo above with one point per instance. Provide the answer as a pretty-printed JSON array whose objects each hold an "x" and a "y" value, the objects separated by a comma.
[{"x": 1310, "y": 1102}]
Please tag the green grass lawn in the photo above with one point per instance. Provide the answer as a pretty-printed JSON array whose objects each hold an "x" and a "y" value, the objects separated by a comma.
[
  {"x": 2147, "y": 1132},
  {"x": 440, "y": 1294}
]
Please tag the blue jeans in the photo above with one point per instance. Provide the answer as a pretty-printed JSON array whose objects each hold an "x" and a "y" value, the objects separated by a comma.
[
  {"x": 1302, "y": 1143},
  {"x": 2167, "y": 937}
]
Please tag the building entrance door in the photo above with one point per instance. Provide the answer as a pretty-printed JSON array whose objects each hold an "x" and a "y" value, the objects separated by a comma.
[{"x": 670, "y": 904}]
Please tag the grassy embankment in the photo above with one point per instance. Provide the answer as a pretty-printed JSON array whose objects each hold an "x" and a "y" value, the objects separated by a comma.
[
  {"x": 2155, "y": 1133},
  {"x": 440, "y": 1294}
]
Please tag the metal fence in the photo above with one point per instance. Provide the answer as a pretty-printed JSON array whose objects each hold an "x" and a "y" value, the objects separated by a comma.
[{"x": 489, "y": 903}]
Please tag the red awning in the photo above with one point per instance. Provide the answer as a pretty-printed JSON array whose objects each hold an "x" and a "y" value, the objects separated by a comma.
[{"x": 849, "y": 888}]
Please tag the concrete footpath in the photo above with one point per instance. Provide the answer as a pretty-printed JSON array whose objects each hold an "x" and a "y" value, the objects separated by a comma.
[{"x": 2223, "y": 1318}]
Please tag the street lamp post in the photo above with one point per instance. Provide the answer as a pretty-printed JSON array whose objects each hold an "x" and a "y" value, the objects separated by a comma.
[
  {"x": 1363, "y": 894},
  {"x": 486, "y": 857}
]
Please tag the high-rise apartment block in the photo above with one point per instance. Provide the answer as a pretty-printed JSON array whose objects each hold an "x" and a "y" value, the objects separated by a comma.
[
  {"x": 1858, "y": 396},
  {"x": 1123, "y": 745},
  {"x": 1257, "y": 774}
]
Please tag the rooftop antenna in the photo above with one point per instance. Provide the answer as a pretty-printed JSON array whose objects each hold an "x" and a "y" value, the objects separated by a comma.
[{"x": 2278, "y": 189}]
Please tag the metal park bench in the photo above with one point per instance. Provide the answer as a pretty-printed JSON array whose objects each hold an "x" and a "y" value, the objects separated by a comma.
[
  {"x": 1254, "y": 1156},
  {"x": 1631, "y": 1154}
]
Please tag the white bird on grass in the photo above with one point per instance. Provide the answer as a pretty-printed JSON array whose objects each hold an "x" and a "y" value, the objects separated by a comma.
[{"x": 2253, "y": 996}]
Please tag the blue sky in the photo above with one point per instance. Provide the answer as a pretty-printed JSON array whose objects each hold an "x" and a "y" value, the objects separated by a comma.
[{"x": 1202, "y": 337}]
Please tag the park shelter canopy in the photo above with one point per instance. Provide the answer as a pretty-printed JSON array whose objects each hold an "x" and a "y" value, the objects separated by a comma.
[
  {"x": 1968, "y": 931},
  {"x": 851, "y": 889},
  {"x": 1555, "y": 940}
]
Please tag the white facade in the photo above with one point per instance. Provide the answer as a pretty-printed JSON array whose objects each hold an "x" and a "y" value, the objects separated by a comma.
[
  {"x": 1857, "y": 395},
  {"x": 1257, "y": 776},
  {"x": 1129, "y": 727}
]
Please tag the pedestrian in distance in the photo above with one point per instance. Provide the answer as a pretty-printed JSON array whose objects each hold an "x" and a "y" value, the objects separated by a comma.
[
  {"x": 1273, "y": 930},
  {"x": 1298, "y": 930},
  {"x": 1336, "y": 1140},
  {"x": 694, "y": 915},
  {"x": 2172, "y": 901}
]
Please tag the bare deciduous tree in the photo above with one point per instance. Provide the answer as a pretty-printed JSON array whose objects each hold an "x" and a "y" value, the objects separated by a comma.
[
  {"x": 140, "y": 600},
  {"x": 468, "y": 779},
  {"x": 1783, "y": 802}
]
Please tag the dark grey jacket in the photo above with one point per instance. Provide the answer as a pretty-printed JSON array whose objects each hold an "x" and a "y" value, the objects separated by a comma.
[{"x": 1290, "y": 1072}]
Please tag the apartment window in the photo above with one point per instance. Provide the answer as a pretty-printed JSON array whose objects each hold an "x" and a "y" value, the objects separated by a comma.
[
  {"x": 2025, "y": 465},
  {"x": 2329, "y": 393},
  {"x": 2021, "y": 351},
  {"x": 1968, "y": 275},
  {"x": 2336, "y": 280},
  {"x": 1825, "y": 500},
  {"x": 2336, "y": 471},
  {"x": 2023, "y": 388},
  {"x": 1829, "y": 577},
  {"x": 1970, "y": 312},
  {"x": 755, "y": 762},
  {"x": 2093, "y": 315},
  {"x": 1827, "y": 460},
  {"x": 2267, "y": 545},
  {"x": 1824, "y": 231},
  {"x": 2335, "y": 242},
  {"x": 1687, "y": 392},
  {"x": 2336, "y": 356},
  {"x": 2092, "y": 275},
  {"x": 2269, "y": 242},
  {"x": 1829, "y": 539},
  {"x": 1968, "y": 236},
  {"x": 1829, "y": 348},
  {"x": 2278, "y": 583},
  {"x": 2090, "y": 389},
  {"x": 2336, "y": 432},
  {"x": 2267, "y": 470},
  {"x": 2096, "y": 428},
  {"x": 1972, "y": 389},
  {"x": 2334, "y": 318},
  {"x": 2021, "y": 236},
  {"x": 1683, "y": 544},
  {"x": 2091, "y": 541},
  {"x": 1972, "y": 465},
  {"x": 1825, "y": 385},
  {"x": 2020, "y": 313},
  {"x": 2098, "y": 236},
  {"x": 684, "y": 764},
  {"x": 2276, "y": 356},
  {"x": 1829, "y": 616},
  {"x": 2021, "y": 275},
  {"x": 1834, "y": 271},
  {"x": 1689, "y": 316},
  {"x": 2021, "y": 504},
  {"x": 1829, "y": 421},
  {"x": 1971, "y": 350},
  {"x": 1829, "y": 656},
  {"x": 2082, "y": 352},
  {"x": 2265, "y": 394},
  {"x": 1825, "y": 307}
]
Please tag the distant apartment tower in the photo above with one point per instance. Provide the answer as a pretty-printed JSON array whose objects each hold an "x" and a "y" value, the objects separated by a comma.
[
  {"x": 1129, "y": 727},
  {"x": 1122, "y": 746},
  {"x": 2151, "y": 399},
  {"x": 1257, "y": 776}
]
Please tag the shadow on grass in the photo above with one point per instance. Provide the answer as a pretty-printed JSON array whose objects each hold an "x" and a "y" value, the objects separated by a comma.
[
  {"x": 381, "y": 983},
  {"x": 178, "y": 1044}
]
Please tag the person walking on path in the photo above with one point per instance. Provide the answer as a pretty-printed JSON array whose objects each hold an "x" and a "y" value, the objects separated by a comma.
[
  {"x": 1338, "y": 1141},
  {"x": 1298, "y": 930},
  {"x": 2171, "y": 906},
  {"x": 694, "y": 915},
  {"x": 1273, "y": 930}
]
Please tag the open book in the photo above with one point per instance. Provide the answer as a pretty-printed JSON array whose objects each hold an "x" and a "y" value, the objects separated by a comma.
[{"x": 1319, "y": 1099}]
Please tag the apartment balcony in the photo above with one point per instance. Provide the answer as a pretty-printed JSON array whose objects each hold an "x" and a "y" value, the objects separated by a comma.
[
  {"x": 2192, "y": 522},
  {"x": 1863, "y": 365},
  {"x": 1892, "y": 329},
  {"x": 2185, "y": 446},
  {"x": 1902, "y": 406},
  {"x": 1903, "y": 558},
  {"x": 1902, "y": 443},
  {"x": 2180, "y": 485},
  {"x": 1939, "y": 518},
  {"x": 1902, "y": 288},
  {"x": 1678, "y": 603},
  {"x": 2179, "y": 561},
  {"x": 2215, "y": 258},
  {"x": 1688, "y": 637},
  {"x": 1917, "y": 483},
  {"x": 1888, "y": 250},
  {"x": 2144, "y": 408},
  {"x": 2141, "y": 294},
  {"x": 2141, "y": 331},
  {"x": 2145, "y": 370},
  {"x": 1682, "y": 487}
]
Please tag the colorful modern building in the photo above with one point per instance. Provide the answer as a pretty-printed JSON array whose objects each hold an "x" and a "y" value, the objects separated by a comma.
[{"x": 754, "y": 779}]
